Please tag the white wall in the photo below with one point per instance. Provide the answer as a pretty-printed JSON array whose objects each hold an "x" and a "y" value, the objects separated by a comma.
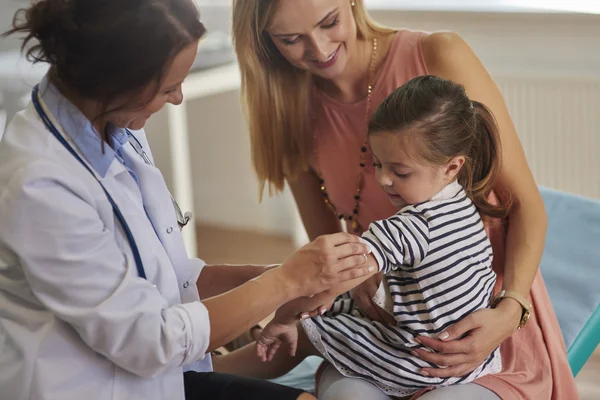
[
  {"x": 7, "y": 11},
  {"x": 505, "y": 42},
  {"x": 225, "y": 187}
]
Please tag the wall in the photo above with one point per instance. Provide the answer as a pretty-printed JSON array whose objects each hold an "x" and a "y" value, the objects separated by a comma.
[
  {"x": 528, "y": 42},
  {"x": 7, "y": 11},
  {"x": 225, "y": 187}
]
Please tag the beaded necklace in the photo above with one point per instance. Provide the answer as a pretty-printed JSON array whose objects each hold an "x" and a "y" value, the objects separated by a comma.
[{"x": 353, "y": 218}]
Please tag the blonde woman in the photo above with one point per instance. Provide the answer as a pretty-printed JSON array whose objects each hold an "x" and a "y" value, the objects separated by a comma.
[{"x": 313, "y": 72}]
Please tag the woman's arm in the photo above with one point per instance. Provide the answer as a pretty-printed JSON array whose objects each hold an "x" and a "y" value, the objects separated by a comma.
[
  {"x": 218, "y": 279},
  {"x": 447, "y": 55}
]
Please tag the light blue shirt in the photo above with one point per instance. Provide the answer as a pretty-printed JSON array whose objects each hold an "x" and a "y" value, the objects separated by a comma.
[{"x": 87, "y": 139}]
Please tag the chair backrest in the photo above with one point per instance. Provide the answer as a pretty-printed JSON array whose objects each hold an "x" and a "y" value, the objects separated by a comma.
[{"x": 571, "y": 269}]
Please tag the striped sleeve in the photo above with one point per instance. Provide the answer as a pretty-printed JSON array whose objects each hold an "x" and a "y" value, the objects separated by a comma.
[{"x": 399, "y": 241}]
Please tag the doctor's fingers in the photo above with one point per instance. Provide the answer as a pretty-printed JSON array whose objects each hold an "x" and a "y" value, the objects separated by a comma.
[
  {"x": 349, "y": 249},
  {"x": 337, "y": 239},
  {"x": 353, "y": 267},
  {"x": 355, "y": 273}
]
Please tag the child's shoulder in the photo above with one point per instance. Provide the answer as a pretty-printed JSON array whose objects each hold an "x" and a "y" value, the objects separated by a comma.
[
  {"x": 411, "y": 218},
  {"x": 414, "y": 211}
]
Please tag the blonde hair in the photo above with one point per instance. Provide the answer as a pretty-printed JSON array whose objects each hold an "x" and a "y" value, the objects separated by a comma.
[{"x": 275, "y": 94}]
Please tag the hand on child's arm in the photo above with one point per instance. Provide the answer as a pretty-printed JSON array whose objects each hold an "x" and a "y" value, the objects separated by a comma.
[
  {"x": 319, "y": 303},
  {"x": 273, "y": 336},
  {"x": 350, "y": 286}
]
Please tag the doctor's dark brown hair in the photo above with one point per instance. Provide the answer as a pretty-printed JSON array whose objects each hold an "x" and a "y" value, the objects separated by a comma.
[
  {"x": 436, "y": 118},
  {"x": 106, "y": 49}
]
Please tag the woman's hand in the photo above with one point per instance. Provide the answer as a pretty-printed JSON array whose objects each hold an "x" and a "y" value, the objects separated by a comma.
[
  {"x": 326, "y": 262},
  {"x": 485, "y": 330}
]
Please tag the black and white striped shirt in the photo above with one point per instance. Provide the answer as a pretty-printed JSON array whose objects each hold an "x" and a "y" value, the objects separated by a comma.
[{"x": 437, "y": 260}]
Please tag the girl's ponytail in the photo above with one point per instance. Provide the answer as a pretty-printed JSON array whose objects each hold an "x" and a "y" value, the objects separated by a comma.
[{"x": 479, "y": 173}]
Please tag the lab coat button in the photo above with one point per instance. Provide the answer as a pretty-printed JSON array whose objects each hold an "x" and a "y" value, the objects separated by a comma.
[
  {"x": 170, "y": 230},
  {"x": 185, "y": 285}
]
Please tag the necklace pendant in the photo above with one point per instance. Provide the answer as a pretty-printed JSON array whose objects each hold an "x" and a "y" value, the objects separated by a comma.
[{"x": 354, "y": 225}]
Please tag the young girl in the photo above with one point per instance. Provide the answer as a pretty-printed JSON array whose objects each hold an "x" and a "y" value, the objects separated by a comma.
[{"x": 436, "y": 155}]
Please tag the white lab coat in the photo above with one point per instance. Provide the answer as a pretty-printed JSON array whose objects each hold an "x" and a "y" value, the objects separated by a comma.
[{"x": 76, "y": 320}]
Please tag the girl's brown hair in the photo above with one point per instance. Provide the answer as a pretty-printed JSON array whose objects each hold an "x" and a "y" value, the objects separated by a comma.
[{"x": 444, "y": 123}]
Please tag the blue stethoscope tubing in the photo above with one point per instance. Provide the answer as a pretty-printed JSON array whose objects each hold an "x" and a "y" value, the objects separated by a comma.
[{"x": 50, "y": 126}]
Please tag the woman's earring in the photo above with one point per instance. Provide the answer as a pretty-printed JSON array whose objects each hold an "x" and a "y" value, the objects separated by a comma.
[{"x": 352, "y": 4}]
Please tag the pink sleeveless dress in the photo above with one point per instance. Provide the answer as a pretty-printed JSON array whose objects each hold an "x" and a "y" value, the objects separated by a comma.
[{"x": 534, "y": 361}]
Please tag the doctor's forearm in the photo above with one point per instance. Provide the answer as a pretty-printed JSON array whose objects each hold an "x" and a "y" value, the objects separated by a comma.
[
  {"x": 234, "y": 312},
  {"x": 218, "y": 279}
]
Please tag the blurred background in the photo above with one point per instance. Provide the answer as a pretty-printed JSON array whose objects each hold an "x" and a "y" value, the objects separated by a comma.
[{"x": 544, "y": 55}]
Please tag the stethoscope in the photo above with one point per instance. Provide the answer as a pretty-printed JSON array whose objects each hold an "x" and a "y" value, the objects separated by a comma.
[{"x": 182, "y": 219}]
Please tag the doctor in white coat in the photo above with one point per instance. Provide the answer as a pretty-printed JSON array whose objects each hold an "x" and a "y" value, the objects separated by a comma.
[{"x": 98, "y": 298}]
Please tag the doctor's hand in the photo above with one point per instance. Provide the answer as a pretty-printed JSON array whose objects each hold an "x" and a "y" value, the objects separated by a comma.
[{"x": 326, "y": 262}]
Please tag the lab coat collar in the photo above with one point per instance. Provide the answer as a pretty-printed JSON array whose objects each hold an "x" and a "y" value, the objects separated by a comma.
[{"x": 81, "y": 131}]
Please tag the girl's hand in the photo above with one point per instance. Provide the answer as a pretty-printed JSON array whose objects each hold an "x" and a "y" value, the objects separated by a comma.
[
  {"x": 485, "y": 330},
  {"x": 273, "y": 336},
  {"x": 319, "y": 311}
]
